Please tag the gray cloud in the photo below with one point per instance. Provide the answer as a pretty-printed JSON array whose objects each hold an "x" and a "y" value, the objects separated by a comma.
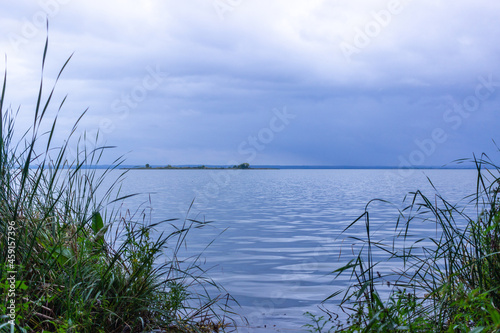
[{"x": 221, "y": 79}]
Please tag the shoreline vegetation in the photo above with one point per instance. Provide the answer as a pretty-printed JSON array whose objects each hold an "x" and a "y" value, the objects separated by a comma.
[
  {"x": 71, "y": 259},
  {"x": 289, "y": 167},
  {"x": 448, "y": 281},
  {"x": 243, "y": 166}
]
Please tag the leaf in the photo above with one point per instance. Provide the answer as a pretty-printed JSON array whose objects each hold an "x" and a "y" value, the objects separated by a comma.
[
  {"x": 61, "y": 254},
  {"x": 21, "y": 285},
  {"x": 494, "y": 315},
  {"x": 97, "y": 223}
]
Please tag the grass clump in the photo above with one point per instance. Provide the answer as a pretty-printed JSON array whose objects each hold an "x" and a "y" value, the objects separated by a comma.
[
  {"x": 71, "y": 263},
  {"x": 447, "y": 281}
]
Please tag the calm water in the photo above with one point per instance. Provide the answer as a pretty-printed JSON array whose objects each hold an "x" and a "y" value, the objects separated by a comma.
[{"x": 276, "y": 231}]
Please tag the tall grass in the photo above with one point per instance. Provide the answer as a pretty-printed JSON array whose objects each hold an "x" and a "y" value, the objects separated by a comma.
[
  {"x": 447, "y": 281},
  {"x": 79, "y": 265}
]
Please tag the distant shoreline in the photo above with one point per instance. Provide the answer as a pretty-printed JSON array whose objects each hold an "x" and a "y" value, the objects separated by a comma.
[
  {"x": 197, "y": 168},
  {"x": 287, "y": 167}
]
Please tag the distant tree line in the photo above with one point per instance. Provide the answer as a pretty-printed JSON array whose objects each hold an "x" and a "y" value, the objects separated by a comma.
[{"x": 242, "y": 166}]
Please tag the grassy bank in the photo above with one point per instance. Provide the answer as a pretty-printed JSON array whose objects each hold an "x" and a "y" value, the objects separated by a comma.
[
  {"x": 70, "y": 263},
  {"x": 445, "y": 281}
]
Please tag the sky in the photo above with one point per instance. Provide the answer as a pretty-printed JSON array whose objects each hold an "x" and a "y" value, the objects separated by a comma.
[{"x": 281, "y": 82}]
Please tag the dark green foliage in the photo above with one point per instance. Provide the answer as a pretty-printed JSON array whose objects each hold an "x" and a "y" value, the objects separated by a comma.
[{"x": 242, "y": 166}]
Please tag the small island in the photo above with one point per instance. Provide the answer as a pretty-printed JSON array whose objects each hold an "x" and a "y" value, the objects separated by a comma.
[{"x": 242, "y": 166}]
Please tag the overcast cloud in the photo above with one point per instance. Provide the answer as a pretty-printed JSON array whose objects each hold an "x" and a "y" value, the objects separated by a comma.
[{"x": 386, "y": 83}]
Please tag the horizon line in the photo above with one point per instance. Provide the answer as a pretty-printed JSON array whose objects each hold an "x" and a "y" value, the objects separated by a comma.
[{"x": 299, "y": 166}]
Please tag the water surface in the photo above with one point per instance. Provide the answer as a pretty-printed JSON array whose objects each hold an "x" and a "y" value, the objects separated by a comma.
[{"x": 277, "y": 231}]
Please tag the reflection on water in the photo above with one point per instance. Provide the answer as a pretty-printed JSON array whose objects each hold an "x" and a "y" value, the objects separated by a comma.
[{"x": 277, "y": 230}]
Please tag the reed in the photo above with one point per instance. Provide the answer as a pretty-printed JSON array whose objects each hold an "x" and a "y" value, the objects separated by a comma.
[
  {"x": 445, "y": 282},
  {"x": 82, "y": 265}
]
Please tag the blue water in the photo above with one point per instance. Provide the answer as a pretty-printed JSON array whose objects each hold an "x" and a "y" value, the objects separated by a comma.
[{"x": 277, "y": 231}]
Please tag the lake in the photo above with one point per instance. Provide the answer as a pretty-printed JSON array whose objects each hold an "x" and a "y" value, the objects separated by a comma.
[{"x": 276, "y": 232}]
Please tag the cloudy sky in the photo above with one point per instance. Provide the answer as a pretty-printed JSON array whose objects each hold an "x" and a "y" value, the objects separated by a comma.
[{"x": 290, "y": 82}]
